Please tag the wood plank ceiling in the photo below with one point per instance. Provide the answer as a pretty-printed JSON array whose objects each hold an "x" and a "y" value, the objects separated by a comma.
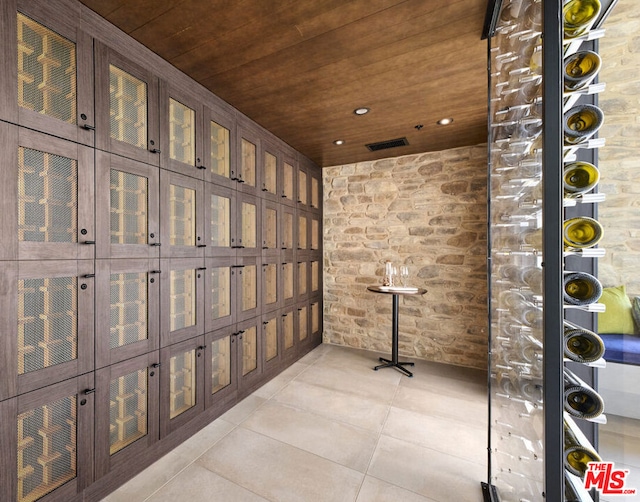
[{"x": 300, "y": 67}]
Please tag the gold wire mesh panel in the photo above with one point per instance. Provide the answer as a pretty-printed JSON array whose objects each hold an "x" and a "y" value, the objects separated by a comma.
[
  {"x": 182, "y": 299},
  {"x": 127, "y": 409},
  {"x": 127, "y": 107},
  {"x": 182, "y": 216},
  {"x": 249, "y": 284},
  {"x": 182, "y": 132},
  {"x": 287, "y": 180},
  {"x": 315, "y": 317},
  {"x": 47, "y": 197},
  {"x": 220, "y": 221},
  {"x": 287, "y": 280},
  {"x": 219, "y": 150},
  {"x": 270, "y": 170},
  {"x": 302, "y": 187},
  {"x": 315, "y": 192},
  {"x": 129, "y": 208},
  {"x": 287, "y": 328},
  {"x": 220, "y": 292},
  {"x": 270, "y": 230},
  {"x": 271, "y": 283},
  {"x": 129, "y": 309},
  {"x": 315, "y": 233},
  {"x": 248, "y": 162},
  {"x": 302, "y": 278},
  {"x": 220, "y": 364},
  {"x": 47, "y": 441},
  {"x": 46, "y": 71},
  {"x": 287, "y": 231},
  {"x": 47, "y": 322},
  {"x": 302, "y": 232},
  {"x": 249, "y": 350},
  {"x": 271, "y": 339},
  {"x": 315, "y": 275},
  {"x": 182, "y": 391},
  {"x": 303, "y": 327},
  {"x": 249, "y": 225}
]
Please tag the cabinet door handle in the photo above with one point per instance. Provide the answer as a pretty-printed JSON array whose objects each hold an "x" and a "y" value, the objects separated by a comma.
[
  {"x": 88, "y": 127},
  {"x": 202, "y": 245},
  {"x": 237, "y": 266},
  {"x": 87, "y": 276},
  {"x": 88, "y": 391},
  {"x": 201, "y": 268},
  {"x": 155, "y": 365},
  {"x": 154, "y": 150},
  {"x": 155, "y": 244},
  {"x": 201, "y": 167},
  {"x": 265, "y": 322},
  {"x": 88, "y": 242},
  {"x": 155, "y": 271},
  {"x": 265, "y": 189}
]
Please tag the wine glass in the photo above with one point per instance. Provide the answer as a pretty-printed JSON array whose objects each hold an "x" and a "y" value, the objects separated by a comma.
[{"x": 404, "y": 274}]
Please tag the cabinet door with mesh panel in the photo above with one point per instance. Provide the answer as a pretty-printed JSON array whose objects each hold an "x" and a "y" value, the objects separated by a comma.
[
  {"x": 221, "y": 368},
  {"x": 182, "y": 383},
  {"x": 271, "y": 227},
  {"x": 126, "y": 97},
  {"x": 315, "y": 320},
  {"x": 127, "y": 406},
  {"x": 248, "y": 234},
  {"x": 303, "y": 186},
  {"x": 182, "y": 300},
  {"x": 302, "y": 326},
  {"x": 219, "y": 139},
  {"x": 47, "y": 81},
  {"x": 48, "y": 209},
  {"x": 248, "y": 166},
  {"x": 271, "y": 341},
  {"x": 289, "y": 177},
  {"x": 47, "y": 311},
  {"x": 182, "y": 217},
  {"x": 288, "y": 334},
  {"x": 315, "y": 189},
  {"x": 249, "y": 340},
  {"x": 271, "y": 284},
  {"x": 127, "y": 309},
  {"x": 220, "y": 293},
  {"x": 247, "y": 275},
  {"x": 220, "y": 220},
  {"x": 47, "y": 442},
  {"x": 181, "y": 132},
  {"x": 271, "y": 163},
  {"x": 127, "y": 208}
]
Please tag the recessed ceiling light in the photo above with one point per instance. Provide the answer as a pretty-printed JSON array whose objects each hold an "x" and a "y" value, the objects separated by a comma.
[
  {"x": 338, "y": 142},
  {"x": 446, "y": 121},
  {"x": 361, "y": 111}
]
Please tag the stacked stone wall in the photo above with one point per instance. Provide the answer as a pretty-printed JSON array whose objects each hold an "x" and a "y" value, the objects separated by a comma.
[{"x": 426, "y": 211}]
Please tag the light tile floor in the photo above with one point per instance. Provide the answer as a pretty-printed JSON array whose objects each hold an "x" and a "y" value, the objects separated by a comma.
[{"x": 329, "y": 428}]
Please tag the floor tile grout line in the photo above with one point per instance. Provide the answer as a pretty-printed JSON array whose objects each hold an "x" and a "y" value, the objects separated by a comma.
[{"x": 384, "y": 422}]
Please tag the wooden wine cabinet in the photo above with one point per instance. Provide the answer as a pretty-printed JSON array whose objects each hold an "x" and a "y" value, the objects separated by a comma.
[{"x": 159, "y": 260}]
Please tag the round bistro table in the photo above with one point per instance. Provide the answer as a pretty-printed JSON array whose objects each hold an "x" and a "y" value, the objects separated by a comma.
[{"x": 396, "y": 292}]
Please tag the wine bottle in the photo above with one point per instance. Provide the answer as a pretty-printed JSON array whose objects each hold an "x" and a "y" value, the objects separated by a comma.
[
  {"x": 582, "y": 345},
  {"x": 580, "y": 69},
  {"x": 581, "y": 122},
  {"x": 576, "y": 455},
  {"x": 579, "y": 177},
  {"x": 581, "y": 288},
  {"x": 581, "y": 232},
  {"x": 578, "y": 16},
  {"x": 580, "y": 400}
]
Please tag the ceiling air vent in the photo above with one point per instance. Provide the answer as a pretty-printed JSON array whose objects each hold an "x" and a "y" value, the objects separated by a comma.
[{"x": 383, "y": 145}]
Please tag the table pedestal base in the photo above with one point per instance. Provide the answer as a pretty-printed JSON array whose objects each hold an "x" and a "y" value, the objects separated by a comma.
[{"x": 397, "y": 364}]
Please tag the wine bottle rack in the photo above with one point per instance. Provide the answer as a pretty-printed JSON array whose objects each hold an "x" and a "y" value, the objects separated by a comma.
[{"x": 520, "y": 186}]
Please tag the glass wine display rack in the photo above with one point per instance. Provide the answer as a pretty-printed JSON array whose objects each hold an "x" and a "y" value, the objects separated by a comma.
[{"x": 543, "y": 249}]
